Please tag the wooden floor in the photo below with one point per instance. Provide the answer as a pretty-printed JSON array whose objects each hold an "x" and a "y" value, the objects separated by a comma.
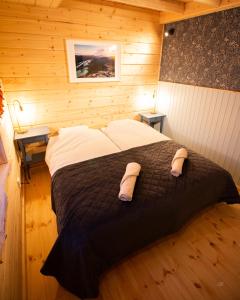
[{"x": 201, "y": 262}]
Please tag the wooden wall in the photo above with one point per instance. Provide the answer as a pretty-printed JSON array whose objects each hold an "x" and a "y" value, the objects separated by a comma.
[
  {"x": 34, "y": 68},
  {"x": 205, "y": 120},
  {"x": 11, "y": 272}
]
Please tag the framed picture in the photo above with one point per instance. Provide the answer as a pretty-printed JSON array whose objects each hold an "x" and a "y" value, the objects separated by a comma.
[{"x": 93, "y": 61}]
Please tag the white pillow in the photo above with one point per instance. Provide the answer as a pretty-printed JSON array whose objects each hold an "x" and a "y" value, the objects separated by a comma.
[
  {"x": 72, "y": 129},
  {"x": 126, "y": 123},
  {"x": 129, "y": 133}
]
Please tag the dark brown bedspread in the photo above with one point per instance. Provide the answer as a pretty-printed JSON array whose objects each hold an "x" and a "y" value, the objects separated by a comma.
[{"x": 96, "y": 229}]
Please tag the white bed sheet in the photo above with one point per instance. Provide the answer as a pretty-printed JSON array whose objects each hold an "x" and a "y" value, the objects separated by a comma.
[
  {"x": 128, "y": 134},
  {"x": 75, "y": 146},
  {"x": 81, "y": 143}
]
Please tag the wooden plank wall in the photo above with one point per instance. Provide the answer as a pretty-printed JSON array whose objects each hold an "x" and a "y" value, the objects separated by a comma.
[
  {"x": 11, "y": 272},
  {"x": 206, "y": 120},
  {"x": 34, "y": 68}
]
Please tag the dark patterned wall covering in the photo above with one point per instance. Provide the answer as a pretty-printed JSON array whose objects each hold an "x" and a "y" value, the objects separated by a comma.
[{"x": 204, "y": 51}]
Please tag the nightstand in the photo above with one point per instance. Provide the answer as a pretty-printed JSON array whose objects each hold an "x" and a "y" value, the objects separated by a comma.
[
  {"x": 153, "y": 118},
  {"x": 32, "y": 146}
]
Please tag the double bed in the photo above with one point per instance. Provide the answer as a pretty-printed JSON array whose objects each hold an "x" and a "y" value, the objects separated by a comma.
[{"x": 96, "y": 229}]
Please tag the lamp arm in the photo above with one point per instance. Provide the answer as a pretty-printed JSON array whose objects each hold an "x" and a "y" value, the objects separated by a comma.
[
  {"x": 20, "y": 130},
  {"x": 19, "y": 104}
]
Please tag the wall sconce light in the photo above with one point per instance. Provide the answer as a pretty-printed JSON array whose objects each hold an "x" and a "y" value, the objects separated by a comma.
[
  {"x": 153, "y": 111},
  {"x": 18, "y": 103},
  {"x": 169, "y": 32}
]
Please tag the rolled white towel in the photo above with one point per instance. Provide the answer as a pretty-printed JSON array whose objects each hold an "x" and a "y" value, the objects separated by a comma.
[
  {"x": 128, "y": 181},
  {"x": 177, "y": 162}
]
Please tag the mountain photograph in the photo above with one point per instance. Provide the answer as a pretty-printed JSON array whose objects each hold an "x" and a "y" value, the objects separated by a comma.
[{"x": 95, "y": 61}]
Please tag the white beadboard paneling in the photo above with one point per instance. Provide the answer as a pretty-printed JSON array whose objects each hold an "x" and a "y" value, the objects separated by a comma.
[{"x": 205, "y": 120}]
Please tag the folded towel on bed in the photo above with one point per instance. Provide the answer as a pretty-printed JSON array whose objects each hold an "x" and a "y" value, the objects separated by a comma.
[
  {"x": 128, "y": 181},
  {"x": 177, "y": 162}
]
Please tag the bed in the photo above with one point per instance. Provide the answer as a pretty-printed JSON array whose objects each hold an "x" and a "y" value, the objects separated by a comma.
[{"x": 96, "y": 229}]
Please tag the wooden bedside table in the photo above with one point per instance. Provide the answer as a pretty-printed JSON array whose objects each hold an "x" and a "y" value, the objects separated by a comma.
[
  {"x": 153, "y": 119},
  {"x": 32, "y": 146}
]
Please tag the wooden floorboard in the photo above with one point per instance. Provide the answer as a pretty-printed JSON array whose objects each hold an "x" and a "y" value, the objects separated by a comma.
[{"x": 200, "y": 262}]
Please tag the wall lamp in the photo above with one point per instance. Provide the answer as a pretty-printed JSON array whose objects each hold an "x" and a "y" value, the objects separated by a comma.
[
  {"x": 18, "y": 103},
  {"x": 169, "y": 32}
]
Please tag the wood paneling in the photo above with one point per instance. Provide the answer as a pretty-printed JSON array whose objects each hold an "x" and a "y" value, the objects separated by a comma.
[
  {"x": 74, "y": 30},
  {"x": 83, "y": 15},
  {"x": 34, "y": 67},
  {"x": 41, "y": 3},
  {"x": 206, "y": 120},
  {"x": 199, "y": 262},
  {"x": 194, "y": 9},
  {"x": 11, "y": 272},
  {"x": 172, "y": 10},
  {"x": 159, "y": 5}
]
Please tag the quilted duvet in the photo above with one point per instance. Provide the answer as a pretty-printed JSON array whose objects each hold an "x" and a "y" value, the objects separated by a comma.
[{"x": 96, "y": 229}]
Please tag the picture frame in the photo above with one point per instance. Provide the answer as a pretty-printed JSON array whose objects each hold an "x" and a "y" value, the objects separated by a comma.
[{"x": 93, "y": 61}]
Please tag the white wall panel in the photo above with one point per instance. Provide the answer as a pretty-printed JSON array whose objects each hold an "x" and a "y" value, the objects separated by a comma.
[{"x": 205, "y": 120}]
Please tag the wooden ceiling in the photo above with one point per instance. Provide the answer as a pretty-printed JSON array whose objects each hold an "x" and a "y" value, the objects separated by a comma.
[{"x": 169, "y": 10}]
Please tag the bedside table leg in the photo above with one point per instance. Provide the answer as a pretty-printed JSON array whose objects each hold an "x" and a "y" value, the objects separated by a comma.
[
  {"x": 28, "y": 172},
  {"x": 161, "y": 125},
  {"x": 25, "y": 174}
]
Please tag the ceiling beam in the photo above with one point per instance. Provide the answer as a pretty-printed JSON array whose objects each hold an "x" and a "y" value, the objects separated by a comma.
[
  {"x": 48, "y": 3},
  {"x": 159, "y": 5},
  {"x": 193, "y": 9},
  {"x": 42, "y": 3},
  {"x": 209, "y": 2},
  {"x": 56, "y": 3}
]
